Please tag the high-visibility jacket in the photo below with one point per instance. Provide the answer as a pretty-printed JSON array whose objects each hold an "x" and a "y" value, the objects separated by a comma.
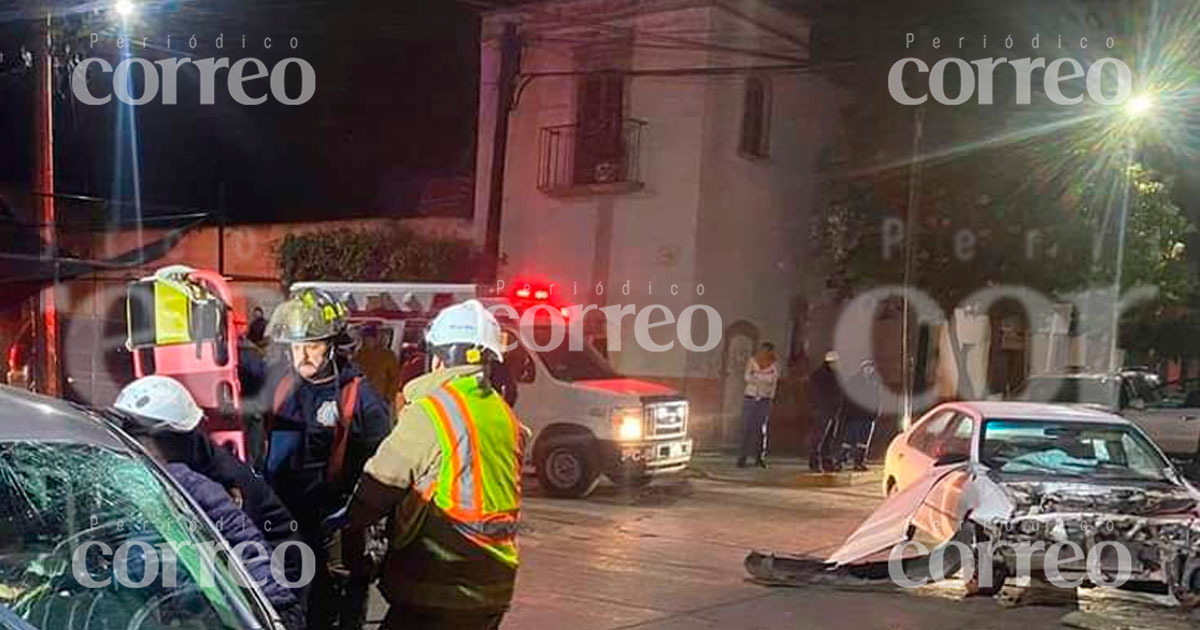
[
  {"x": 463, "y": 554},
  {"x": 479, "y": 485}
]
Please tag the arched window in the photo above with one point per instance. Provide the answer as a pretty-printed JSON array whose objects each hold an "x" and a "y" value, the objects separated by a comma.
[{"x": 756, "y": 117}]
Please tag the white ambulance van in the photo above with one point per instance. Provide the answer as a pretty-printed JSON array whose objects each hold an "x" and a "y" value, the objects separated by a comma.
[{"x": 587, "y": 420}]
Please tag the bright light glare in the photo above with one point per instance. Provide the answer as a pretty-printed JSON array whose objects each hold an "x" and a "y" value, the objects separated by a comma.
[
  {"x": 1139, "y": 106},
  {"x": 629, "y": 425},
  {"x": 124, "y": 8}
]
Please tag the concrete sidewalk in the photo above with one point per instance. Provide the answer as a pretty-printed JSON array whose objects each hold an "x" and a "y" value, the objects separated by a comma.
[{"x": 780, "y": 471}]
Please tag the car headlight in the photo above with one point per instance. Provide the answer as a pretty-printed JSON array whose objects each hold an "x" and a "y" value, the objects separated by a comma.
[{"x": 627, "y": 424}]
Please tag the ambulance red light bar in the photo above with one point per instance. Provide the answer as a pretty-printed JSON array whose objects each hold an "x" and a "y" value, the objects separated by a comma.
[{"x": 528, "y": 294}]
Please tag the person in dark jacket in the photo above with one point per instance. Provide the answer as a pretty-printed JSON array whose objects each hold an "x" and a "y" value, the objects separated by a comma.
[
  {"x": 252, "y": 376},
  {"x": 258, "y": 327},
  {"x": 250, "y": 491},
  {"x": 237, "y": 528},
  {"x": 861, "y": 412},
  {"x": 826, "y": 405},
  {"x": 162, "y": 415},
  {"x": 325, "y": 423}
]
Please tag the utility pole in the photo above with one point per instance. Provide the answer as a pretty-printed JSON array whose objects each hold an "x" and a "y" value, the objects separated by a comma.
[
  {"x": 911, "y": 211},
  {"x": 49, "y": 378},
  {"x": 506, "y": 83}
]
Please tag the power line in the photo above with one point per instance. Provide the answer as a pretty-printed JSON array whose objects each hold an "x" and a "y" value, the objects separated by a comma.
[{"x": 632, "y": 32}]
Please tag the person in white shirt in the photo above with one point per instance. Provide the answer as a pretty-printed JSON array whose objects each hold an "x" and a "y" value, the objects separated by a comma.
[{"x": 762, "y": 375}]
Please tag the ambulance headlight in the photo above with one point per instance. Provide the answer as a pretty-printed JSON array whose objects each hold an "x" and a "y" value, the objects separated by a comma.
[{"x": 627, "y": 424}]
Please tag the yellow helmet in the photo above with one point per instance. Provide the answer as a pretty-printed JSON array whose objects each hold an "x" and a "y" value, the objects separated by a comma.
[{"x": 308, "y": 315}]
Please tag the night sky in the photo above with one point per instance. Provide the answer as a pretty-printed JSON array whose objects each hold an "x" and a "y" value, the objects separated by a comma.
[{"x": 395, "y": 104}]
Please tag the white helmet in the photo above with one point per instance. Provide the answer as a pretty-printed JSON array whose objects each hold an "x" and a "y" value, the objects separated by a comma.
[
  {"x": 468, "y": 323},
  {"x": 160, "y": 398}
]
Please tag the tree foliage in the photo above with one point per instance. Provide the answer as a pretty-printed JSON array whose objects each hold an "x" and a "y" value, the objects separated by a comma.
[
  {"x": 391, "y": 254},
  {"x": 1005, "y": 194}
]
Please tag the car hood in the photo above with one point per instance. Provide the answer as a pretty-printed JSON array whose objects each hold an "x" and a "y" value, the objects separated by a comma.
[
  {"x": 1055, "y": 497},
  {"x": 626, "y": 387},
  {"x": 987, "y": 497}
]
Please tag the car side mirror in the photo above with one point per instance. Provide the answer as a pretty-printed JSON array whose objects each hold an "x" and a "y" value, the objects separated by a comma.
[{"x": 950, "y": 459}]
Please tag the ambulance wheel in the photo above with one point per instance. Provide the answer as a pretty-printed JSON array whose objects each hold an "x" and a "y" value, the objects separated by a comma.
[{"x": 567, "y": 470}]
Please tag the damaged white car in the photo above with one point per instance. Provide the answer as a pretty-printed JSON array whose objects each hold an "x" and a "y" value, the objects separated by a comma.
[{"x": 1020, "y": 485}]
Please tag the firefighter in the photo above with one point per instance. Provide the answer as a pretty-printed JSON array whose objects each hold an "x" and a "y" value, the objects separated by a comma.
[
  {"x": 326, "y": 421},
  {"x": 162, "y": 415},
  {"x": 450, "y": 474}
]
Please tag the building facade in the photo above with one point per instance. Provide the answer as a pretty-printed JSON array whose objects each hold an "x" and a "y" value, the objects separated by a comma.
[{"x": 662, "y": 152}]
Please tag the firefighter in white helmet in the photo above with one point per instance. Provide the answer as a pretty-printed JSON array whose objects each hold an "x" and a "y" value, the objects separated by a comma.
[
  {"x": 450, "y": 473},
  {"x": 161, "y": 414}
]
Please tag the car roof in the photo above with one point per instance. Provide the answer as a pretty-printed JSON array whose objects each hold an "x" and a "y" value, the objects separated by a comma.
[
  {"x": 1012, "y": 410},
  {"x": 1080, "y": 375},
  {"x": 25, "y": 416}
]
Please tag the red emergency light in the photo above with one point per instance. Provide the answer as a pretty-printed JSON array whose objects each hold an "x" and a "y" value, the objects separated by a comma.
[{"x": 527, "y": 294}]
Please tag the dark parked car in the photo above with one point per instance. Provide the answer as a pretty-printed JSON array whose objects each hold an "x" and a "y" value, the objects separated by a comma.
[{"x": 74, "y": 492}]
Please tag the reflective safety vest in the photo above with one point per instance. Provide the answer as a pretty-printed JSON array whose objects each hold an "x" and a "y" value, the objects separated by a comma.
[{"x": 478, "y": 487}]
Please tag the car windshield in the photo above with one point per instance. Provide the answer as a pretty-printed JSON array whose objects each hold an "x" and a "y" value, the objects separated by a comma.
[
  {"x": 56, "y": 498},
  {"x": 565, "y": 364},
  {"x": 1112, "y": 452},
  {"x": 1094, "y": 391},
  {"x": 585, "y": 364}
]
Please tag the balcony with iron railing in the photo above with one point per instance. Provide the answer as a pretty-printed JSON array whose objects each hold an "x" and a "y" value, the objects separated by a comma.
[{"x": 590, "y": 158}]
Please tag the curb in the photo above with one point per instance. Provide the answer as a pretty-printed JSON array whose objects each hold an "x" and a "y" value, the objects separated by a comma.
[{"x": 795, "y": 480}]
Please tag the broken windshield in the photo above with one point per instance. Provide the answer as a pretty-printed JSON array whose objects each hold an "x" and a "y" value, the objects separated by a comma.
[
  {"x": 1057, "y": 448},
  {"x": 66, "y": 513}
]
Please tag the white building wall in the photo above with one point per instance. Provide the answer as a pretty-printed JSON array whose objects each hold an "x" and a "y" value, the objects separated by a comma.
[
  {"x": 753, "y": 212},
  {"x": 652, "y": 245},
  {"x": 706, "y": 214}
]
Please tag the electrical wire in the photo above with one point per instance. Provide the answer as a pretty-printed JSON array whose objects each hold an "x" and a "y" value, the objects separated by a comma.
[{"x": 632, "y": 32}]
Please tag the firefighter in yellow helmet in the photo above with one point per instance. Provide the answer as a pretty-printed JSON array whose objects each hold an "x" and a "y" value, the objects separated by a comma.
[{"x": 450, "y": 474}]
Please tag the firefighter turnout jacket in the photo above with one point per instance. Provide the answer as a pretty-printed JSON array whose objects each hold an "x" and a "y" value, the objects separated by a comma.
[{"x": 450, "y": 472}]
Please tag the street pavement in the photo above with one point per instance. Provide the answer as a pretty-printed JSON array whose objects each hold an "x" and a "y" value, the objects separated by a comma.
[{"x": 670, "y": 557}]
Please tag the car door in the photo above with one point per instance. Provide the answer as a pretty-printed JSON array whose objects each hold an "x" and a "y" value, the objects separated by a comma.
[
  {"x": 941, "y": 512},
  {"x": 915, "y": 457}
]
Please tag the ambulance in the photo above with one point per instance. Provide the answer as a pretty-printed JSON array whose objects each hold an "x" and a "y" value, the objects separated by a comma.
[{"x": 588, "y": 421}]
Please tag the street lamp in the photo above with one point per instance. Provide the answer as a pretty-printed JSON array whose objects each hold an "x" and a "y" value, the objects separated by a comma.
[
  {"x": 125, "y": 9},
  {"x": 1139, "y": 106}
]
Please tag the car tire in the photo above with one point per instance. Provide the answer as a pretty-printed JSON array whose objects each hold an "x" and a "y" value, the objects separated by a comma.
[
  {"x": 567, "y": 470},
  {"x": 891, "y": 487},
  {"x": 1187, "y": 590}
]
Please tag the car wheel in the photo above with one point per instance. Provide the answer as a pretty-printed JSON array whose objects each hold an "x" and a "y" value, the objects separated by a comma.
[
  {"x": 1187, "y": 590},
  {"x": 567, "y": 470},
  {"x": 891, "y": 487}
]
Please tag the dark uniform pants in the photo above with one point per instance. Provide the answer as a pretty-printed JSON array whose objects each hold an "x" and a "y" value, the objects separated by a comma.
[
  {"x": 823, "y": 440},
  {"x": 857, "y": 440},
  {"x": 755, "y": 413}
]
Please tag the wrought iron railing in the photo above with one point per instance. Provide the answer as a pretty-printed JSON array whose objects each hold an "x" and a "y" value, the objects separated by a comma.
[{"x": 591, "y": 155}]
